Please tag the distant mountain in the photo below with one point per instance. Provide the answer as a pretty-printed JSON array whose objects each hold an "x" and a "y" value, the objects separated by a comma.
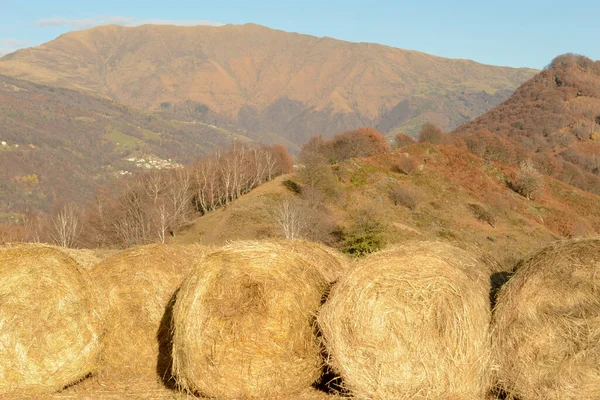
[
  {"x": 58, "y": 144},
  {"x": 554, "y": 119},
  {"x": 268, "y": 83}
]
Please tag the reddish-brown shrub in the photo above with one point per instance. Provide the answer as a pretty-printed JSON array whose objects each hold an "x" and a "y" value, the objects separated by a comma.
[
  {"x": 402, "y": 139},
  {"x": 403, "y": 165},
  {"x": 284, "y": 161},
  {"x": 492, "y": 147},
  {"x": 403, "y": 197},
  {"x": 362, "y": 142},
  {"x": 431, "y": 133}
]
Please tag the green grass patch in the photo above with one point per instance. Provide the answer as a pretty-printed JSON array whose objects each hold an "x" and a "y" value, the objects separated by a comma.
[
  {"x": 149, "y": 135},
  {"x": 8, "y": 217},
  {"x": 84, "y": 119},
  {"x": 121, "y": 139}
]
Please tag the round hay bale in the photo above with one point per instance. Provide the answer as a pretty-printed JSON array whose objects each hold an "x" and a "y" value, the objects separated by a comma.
[
  {"x": 49, "y": 325},
  {"x": 137, "y": 286},
  {"x": 243, "y": 323},
  {"x": 546, "y": 325},
  {"x": 84, "y": 257},
  {"x": 330, "y": 262},
  {"x": 411, "y": 323}
]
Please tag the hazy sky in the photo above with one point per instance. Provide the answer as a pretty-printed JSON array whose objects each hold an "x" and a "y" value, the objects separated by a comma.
[{"x": 525, "y": 33}]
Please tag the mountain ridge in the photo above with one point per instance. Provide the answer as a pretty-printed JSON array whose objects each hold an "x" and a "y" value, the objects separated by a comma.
[{"x": 259, "y": 77}]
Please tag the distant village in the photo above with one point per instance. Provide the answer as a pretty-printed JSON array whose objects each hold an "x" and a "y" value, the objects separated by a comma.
[{"x": 151, "y": 162}]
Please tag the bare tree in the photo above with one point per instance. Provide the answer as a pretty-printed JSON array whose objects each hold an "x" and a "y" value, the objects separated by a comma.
[
  {"x": 180, "y": 196},
  {"x": 66, "y": 226},
  {"x": 154, "y": 184},
  {"x": 32, "y": 226},
  {"x": 290, "y": 215},
  {"x": 528, "y": 181},
  {"x": 162, "y": 221}
]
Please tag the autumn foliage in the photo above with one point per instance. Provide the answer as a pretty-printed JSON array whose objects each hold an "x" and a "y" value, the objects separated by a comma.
[
  {"x": 552, "y": 120},
  {"x": 362, "y": 142}
]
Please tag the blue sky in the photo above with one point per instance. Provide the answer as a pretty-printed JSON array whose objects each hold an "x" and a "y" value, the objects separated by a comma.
[{"x": 526, "y": 33}]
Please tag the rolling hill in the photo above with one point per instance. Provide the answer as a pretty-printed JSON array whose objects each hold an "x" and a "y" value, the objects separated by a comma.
[
  {"x": 554, "y": 119},
  {"x": 456, "y": 196},
  {"x": 270, "y": 84},
  {"x": 59, "y": 144}
]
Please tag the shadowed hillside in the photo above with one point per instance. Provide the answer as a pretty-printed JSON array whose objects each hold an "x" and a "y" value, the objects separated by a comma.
[
  {"x": 58, "y": 144},
  {"x": 554, "y": 119},
  {"x": 271, "y": 84}
]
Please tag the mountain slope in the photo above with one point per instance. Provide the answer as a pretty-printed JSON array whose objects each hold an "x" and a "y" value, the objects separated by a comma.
[
  {"x": 267, "y": 80},
  {"x": 554, "y": 118},
  {"x": 58, "y": 144}
]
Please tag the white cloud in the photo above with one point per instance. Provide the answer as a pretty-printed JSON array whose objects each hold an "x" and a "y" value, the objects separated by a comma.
[
  {"x": 8, "y": 45},
  {"x": 117, "y": 20}
]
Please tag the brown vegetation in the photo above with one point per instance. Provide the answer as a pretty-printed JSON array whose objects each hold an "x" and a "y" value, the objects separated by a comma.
[
  {"x": 50, "y": 324},
  {"x": 403, "y": 197},
  {"x": 395, "y": 326},
  {"x": 545, "y": 325},
  {"x": 431, "y": 133},
  {"x": 482, "y": 213},
  {"x": 242, "y": 323},
  {"x": 528, "y": 181},
  {"x": 402, "y": 139},
  {"x": 551, "y": 119},
  {"x": 362, "y": 142}
]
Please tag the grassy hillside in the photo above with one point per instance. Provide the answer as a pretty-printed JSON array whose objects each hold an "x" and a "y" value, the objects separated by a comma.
[
  {"x": 269, "y": 83},
  {"x": 456, "y": 196},
  {"x": 58, "y": 144}
]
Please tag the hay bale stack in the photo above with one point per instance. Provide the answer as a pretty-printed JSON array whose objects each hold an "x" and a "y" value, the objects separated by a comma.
[
  {"x": 136, "y": 286},
  {"x": 546, "y": 325},
  {"x": 411, "y": 323},
  {"x": 49, "y": 325},
  {"x": 330, "y": 262},
  {"x": 243, "y": 323}
]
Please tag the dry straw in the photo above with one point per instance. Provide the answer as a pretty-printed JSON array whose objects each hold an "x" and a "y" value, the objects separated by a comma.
[
  {"x": 244, "y": 326},
  {"x": 546, "y": 328},
  {"x": 136, "y": 286},
  {"x": 411, "y": 323},
  {"x": 330, "y": 262},
  {"x": 49, "y": 325},
  {"x": 84, "y": 257}
]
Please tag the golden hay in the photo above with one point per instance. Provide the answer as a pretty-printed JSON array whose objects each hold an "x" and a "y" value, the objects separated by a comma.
[
  {"x": 84, "y": 257},
  {"x": 136, "y": 286},
  {"x": 330, "y": 262},
  {"x": 411, "y": 323},
  {"x": 546, "y": 325},
  {"x": 49, "y": 325},
  {"x": 243, "y": 323}
]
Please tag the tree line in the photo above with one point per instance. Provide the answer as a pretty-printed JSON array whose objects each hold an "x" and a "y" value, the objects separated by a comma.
[{"x": 151, "y": 206}]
